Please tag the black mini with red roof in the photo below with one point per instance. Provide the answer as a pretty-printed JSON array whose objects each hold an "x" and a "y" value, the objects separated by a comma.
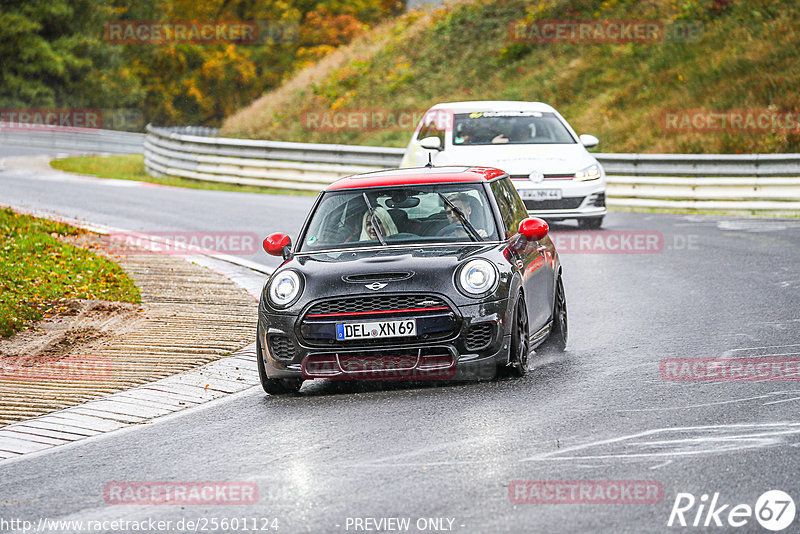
[{"x": 432, "y": 273}]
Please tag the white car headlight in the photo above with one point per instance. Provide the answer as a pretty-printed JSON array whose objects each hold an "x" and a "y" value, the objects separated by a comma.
[
  {"x": 592, "y": 172},
  {"x": 284, "y": 288},
  {"x": 477, "y": 276}
]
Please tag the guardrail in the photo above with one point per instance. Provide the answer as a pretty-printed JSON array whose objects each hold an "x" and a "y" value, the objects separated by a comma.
[
  {"x": 713, "y": 182},
  {"x": 72, "y": 140},
  {"x": 299, "y": 166},
  {"x": 701, "y": 164},
  {"x": 746, "y": 182}
]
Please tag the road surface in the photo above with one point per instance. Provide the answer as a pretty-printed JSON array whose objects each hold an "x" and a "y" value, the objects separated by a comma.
[{"x": 339, "y": 456}]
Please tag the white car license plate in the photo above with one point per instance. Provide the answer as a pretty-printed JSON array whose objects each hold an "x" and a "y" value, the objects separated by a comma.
[
  {"x": 540, "y": 194},
  {"x": 405, "y": 328}
]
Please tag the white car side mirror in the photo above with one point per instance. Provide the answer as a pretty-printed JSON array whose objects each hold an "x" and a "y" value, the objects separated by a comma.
[
  {"x": 431, "y": 143},
  {"x": 589, "y": 141}
]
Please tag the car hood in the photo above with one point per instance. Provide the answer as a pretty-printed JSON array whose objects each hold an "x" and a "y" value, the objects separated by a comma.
[
  {"x": 428, "y": 270},
  {"x": 521, "y": 159}
]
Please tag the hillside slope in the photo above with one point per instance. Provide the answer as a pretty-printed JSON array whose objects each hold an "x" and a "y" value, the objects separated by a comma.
[{"x": 744, "y": 59}]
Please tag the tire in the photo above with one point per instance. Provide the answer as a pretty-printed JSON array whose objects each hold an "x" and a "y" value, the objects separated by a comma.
[
  {"x": 275, "y": 386},
  {"x": 559, "y": 334},
  {"x": 520, "y": 344},
  {"x": 590, "y": 223}
]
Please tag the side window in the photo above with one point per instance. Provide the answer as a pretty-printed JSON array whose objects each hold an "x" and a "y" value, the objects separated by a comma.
[
  {"x": 512, "y": 209},
  {"x": 506, "y": 213},
  {"x": 520, "y": 211}
]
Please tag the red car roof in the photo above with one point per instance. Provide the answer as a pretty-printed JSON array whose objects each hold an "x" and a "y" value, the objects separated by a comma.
[{"x": 417, "y": 175}]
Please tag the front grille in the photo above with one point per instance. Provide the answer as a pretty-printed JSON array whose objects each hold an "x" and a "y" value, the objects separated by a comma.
[
  {"x": 567, "y": 203},
  {"x": 281, "y": 347},
  {"x": 378, "y": 303},
  {"x": 478, "y": 336}
]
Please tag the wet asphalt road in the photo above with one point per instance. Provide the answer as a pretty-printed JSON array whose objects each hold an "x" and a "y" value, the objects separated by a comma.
[{"x": 714, "y": 287}]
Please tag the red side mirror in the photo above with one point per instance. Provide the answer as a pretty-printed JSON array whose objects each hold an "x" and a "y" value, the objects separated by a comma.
[
  {"x": 276, "y": 243},
  {"x": 533, "y": 228}
]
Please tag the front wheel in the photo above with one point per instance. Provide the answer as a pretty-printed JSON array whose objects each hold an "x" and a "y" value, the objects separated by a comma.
[
  {"x": 274, "y": 386},
  {"x": 557, "y": 339},
  {"x": 520, "y": 347},
  {"x": 590, "y": 223}
]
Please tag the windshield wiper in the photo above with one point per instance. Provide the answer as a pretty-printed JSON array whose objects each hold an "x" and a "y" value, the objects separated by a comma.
[
  {"x": 374, "y": 219},
  {"x": 473, "y": 233}
]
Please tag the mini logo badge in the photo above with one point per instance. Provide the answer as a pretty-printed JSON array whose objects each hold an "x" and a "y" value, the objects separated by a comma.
[
  {"x": 376, "y": 286},
  {"x": 536, "y": 177}
]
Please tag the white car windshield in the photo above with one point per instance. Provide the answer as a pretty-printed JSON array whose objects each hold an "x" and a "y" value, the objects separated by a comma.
[
  {"x": 423, "y": 214},
  {"x": 487, "y": 128}
]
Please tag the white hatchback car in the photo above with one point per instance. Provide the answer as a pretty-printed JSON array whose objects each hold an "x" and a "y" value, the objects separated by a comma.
[{"x": 555, "y": 175}]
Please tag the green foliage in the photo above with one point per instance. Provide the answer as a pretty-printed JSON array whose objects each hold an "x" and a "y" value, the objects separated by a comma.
[
  {"x": 55, "y": 54},
  {"x": 37, "y": 270}
]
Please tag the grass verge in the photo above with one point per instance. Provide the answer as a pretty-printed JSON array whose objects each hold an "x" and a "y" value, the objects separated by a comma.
[
  {"x": 131, "y": 167},
  {"x": 37, "y": 271}
]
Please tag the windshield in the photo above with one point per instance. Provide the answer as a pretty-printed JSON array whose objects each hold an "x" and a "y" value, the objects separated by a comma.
[
  {"x": 487, "y": 128},
  {"x": 404, "y": 215}
]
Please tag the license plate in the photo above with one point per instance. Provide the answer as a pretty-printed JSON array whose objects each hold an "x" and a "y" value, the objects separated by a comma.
[
  {"x": 406, "y": 328},
  {"x": 540, "y": 194}
]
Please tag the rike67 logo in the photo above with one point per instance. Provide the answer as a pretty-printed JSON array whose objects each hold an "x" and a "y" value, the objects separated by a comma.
[{"x": 774, "y": 510}]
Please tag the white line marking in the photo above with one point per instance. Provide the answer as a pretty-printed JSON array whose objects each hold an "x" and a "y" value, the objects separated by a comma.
[
  {"x": 559, "y": 454},
  {"x": 766, "y": 347},
  {"x": 704, "y": 405},
  {"x": 781, "y": 401}
]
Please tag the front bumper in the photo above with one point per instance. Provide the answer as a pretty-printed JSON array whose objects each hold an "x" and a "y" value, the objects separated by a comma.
[
  {"x": 558, "y": 215},
  {"x": 579, "y": 199},
  {"x": 287, "y": 353}
]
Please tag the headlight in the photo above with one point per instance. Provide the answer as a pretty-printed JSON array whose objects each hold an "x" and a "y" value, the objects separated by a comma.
[
  {"x": 284, "y": 288},
  {"x": 592, "y": 172},
  {"x": 477, "y": 277}
]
